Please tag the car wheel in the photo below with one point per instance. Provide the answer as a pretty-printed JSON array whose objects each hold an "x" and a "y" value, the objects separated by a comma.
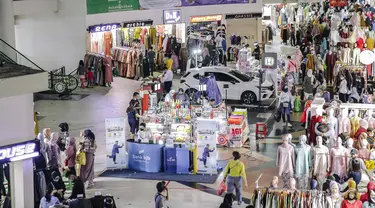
[
  {"x": 248, "y": 98},
  {"x": 191, "y": 92}
]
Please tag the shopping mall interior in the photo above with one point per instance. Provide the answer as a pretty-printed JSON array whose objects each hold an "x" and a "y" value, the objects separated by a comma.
[{"x": 187, "y": 103}]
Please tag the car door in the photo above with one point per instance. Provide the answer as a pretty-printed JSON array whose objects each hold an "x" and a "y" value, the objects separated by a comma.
[{"x": 223, "y": 79}]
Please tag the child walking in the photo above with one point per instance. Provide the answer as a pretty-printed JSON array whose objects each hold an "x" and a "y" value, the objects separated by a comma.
[{"x": 90, "y": 77}]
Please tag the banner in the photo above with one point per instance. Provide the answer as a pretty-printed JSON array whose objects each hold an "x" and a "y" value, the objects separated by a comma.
[
  {"x": 159, "y": 4},
  {"x": 115, "y": 143},
  {"x": 214, "y": 2},
  {"x": 145, "y": 157},
  {"x": 206, "y": 142},
  {"x": 106, "y": 6}
]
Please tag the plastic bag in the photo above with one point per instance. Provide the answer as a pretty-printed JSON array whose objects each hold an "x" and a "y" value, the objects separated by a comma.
[{"x": 222, "y": 188}]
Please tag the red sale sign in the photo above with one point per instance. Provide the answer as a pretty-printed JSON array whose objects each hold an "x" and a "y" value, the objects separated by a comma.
[{"x": 236, "y": 131}]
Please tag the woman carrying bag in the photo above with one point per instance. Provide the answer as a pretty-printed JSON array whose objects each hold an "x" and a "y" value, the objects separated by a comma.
[{"x": 235, "y": 170}]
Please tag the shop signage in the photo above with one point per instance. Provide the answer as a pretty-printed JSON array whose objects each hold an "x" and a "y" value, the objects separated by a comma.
[
  {"x": 106, "y": 6},
  {"x": 269, "y": 60},
  {"x": 115, "y": 143},
  {"x": 236, "y": 131},
  {"x": 141, "y": 23},
  {"x": 209, "y": 18},
  {"x": 172, "y": 16},
  {"x": 214, "y": 2},
  {"x": 104, "y": 27},
  {"x": 243, "y": 16},
  {"x": 19, "y": 151}
]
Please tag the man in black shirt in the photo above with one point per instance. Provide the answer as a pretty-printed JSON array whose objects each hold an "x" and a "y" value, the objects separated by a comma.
[{"x": 78, "y": 185}]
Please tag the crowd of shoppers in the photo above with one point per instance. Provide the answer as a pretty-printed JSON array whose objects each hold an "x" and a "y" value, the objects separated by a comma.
[{"x": 69, "y": 156}]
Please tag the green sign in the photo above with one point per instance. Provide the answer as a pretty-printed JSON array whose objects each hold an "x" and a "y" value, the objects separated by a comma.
[{"x": 106, "y": 6}]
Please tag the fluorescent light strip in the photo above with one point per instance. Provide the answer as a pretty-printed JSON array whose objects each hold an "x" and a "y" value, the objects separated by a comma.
[{"x": 22, "y": 157}]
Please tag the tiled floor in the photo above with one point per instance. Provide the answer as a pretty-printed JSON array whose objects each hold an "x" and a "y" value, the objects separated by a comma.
[{"x": 102, "y": 103}]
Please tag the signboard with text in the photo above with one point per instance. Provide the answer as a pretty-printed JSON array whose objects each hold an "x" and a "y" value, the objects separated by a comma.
[
  {"x": 107, "y": 6},
  {"x": 213, "y": 2},
  {"x": 172, "y": 16},
  {"x": 269, "y": 60},
  {"x": 140, "y": 23},
  {"x": 115, "y": 143},
  {"x": 19, "y": 151},
  {"x": 104, "y": 27},
  {"x": 243, "y": 16},
  {"x": 208, "y": 18}
]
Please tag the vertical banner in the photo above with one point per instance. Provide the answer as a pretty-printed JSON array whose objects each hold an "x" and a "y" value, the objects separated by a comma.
[
  {"x": 206, "y": 142},
  {"x": 115, "y": 143}
]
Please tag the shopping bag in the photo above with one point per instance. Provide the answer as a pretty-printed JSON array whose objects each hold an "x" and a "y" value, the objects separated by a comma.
[
  {"x": 277, "y": 115},
  {"x": 222, "y": 188}
]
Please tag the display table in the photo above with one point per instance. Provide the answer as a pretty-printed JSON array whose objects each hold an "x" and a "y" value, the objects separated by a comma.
[{"x": 145, "y": 157}]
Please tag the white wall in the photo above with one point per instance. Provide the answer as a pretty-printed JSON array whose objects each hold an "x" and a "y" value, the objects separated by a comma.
[
  {"x": 7, "y": 28},
  {"x": 186, "y": 12},
  {"x": 54, "y": 39}
]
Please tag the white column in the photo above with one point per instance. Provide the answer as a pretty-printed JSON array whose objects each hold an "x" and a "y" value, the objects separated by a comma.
[
  {"x": 22, "y": 183},
  {"x": 17, "y": 125},
  {"x": 7, "y": 31}
]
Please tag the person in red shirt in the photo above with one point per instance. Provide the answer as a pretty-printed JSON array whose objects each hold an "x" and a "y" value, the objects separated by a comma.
[{"x": 90, "y": 78}]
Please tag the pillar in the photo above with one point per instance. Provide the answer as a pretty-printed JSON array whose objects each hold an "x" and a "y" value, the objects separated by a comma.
[
  {"x": 7, "y": 30},
  {"x": 17, "y": 125}
]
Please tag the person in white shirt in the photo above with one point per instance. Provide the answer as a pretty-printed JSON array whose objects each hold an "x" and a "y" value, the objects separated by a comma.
[
  {"x": 343, "y": 90},
  {"x": 169, "y": 97},
  {"x": 286, "y": 105}
]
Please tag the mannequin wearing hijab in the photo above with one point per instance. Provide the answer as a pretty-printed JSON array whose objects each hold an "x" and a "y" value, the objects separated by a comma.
[
  {"x": 334, "y": 199},
  {"x": 303, "y": 162},
  {"x": 55, "y": 160}
]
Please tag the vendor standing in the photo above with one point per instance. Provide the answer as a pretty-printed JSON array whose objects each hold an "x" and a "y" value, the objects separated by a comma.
[{"x": 168, "y": 75}]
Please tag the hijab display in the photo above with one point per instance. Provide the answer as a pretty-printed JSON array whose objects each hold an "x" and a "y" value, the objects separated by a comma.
[
  {"x": 285, "y": 161},
  {"x": 303, "y": 162}
]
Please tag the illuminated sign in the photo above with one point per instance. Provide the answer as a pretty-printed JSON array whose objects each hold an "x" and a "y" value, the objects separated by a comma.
[
  {"x": 172, "y": 16},
  {"x": 104, "y": 27},
  {"x": 141, "y": 23},
  {"x": 20, "y": 151},
  {"x": 243, "y": 16},
  {"x": 269, "y": 60},
  {"x": 209, "y": 18}
]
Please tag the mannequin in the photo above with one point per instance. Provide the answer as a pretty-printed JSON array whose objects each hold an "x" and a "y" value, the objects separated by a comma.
[
  {"x": 346, "y": 54},
  {"x": 370, "y": 119},
  {"x": 321, "y": 161},
  {"x": 317, "y": 118},
  {"x": 47, "y": 134},
  {"x": 290, "y": 137},
  {"x": 356, "y": 52},
  {"x": 303, "y": 162},
  {"x": 326, "y": 130},
  {"x": 332, "y": 121},
  {"x": 364, "y": 152},
  {"x": 344, "y": 123},
  {"x": 285, "y": 161},
  {"x": 343, "y": 89},
  {"x": 334, "y": 200},
  {"x": 362, "y": 129},
  {"x": 338, "y": 156},
  {"x": 330, "y": 61},
  {"x": 349, "y": 144},
  {"x": 354, "y": 122},
  {"x": 309, "y": 84},
  {"x": 369, "y": 196},
  {"x": 274, "y": 182},
  {"x": 351, "y": 197}
]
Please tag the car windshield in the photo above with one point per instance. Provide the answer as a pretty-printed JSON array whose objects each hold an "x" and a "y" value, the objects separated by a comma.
[{"x": 241, "y": 76}]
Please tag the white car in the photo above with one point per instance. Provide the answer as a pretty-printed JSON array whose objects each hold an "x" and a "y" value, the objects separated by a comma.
[{"x": 239, "y": 86}]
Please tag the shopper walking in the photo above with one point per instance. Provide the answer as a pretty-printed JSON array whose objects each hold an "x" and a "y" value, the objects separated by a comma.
[
  {"x": 286, "y": 105},
  {"x": 81, "y": 73},
  {"x": 234, "y": 174},
  {"x": 54, "y": 160},
  {"x": 168, "y": 75},
  {"x": 151, "y": 60},
  {"x": 89, "y": 147},
  {"x": 70, "y": 153}
]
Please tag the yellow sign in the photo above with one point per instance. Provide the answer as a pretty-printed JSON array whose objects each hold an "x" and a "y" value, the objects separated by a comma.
[{"x": 209, "y": 18}]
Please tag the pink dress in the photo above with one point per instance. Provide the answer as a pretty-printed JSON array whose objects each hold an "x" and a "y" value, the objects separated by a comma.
[
  {"x": 338, "y": 161},
  {"x": 285, "y": 159},
  {"x": 108, "y": 70},
  {"x": 364, "y": 154},
  {"x": 344, "y": 126}
]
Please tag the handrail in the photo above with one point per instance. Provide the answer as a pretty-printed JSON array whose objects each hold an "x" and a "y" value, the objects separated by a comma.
[
  {"x": 74, "y": 71},
  {"x": 6, "y": 58},
  {"x": 21, "y": 54}
]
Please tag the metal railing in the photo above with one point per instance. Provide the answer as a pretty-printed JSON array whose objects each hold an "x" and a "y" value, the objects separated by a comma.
[{"x": 7, "y": 51}]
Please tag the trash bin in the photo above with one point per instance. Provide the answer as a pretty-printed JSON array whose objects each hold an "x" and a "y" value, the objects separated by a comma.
[
  {"x": 183, "y": 160},
  {"x": 170, "y": 160}
]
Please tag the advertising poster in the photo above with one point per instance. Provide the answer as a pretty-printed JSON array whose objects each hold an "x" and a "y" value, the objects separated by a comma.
[
  {"x": 159, "y": 4},
  {"x": 206, "y": 142},
  {"x": 115, "y": 143},
  {"x": 145, "y": 157},
  {"x": 106, "y": 6},
  {"x": 214, "y": 2}
]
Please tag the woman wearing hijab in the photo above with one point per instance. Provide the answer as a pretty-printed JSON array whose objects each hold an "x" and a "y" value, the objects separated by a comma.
[
  {"x": 40, "y": 162},
  {"x": 286, "y": 105},
  {"x": 54, "y": 162},
  {"x": 70, "y": 153},
  {"x": 89, "y": 147}
]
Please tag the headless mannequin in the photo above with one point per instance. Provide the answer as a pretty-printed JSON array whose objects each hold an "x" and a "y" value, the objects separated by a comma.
[
  {"x": 321, "y": 161},
  {"x": 334, "y": 200},
  {"x": 354, "y": 122},
  {"x": 303, "y": 162},
  {"x": 344, "y": 123},
  {"x": 285, "y": 161},
  {"x": 332, "y": 120},
  {"x": 370, "y": 119},
  {"x": 338, "y": 156},
  {"x": 346, "y": 54},
  {"x": 364, "y": 152}
]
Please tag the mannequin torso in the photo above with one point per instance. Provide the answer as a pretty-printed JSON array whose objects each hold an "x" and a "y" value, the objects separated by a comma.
[
  {"x": 285, "y": 159},
  {"x": 354, "y": 123}
]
